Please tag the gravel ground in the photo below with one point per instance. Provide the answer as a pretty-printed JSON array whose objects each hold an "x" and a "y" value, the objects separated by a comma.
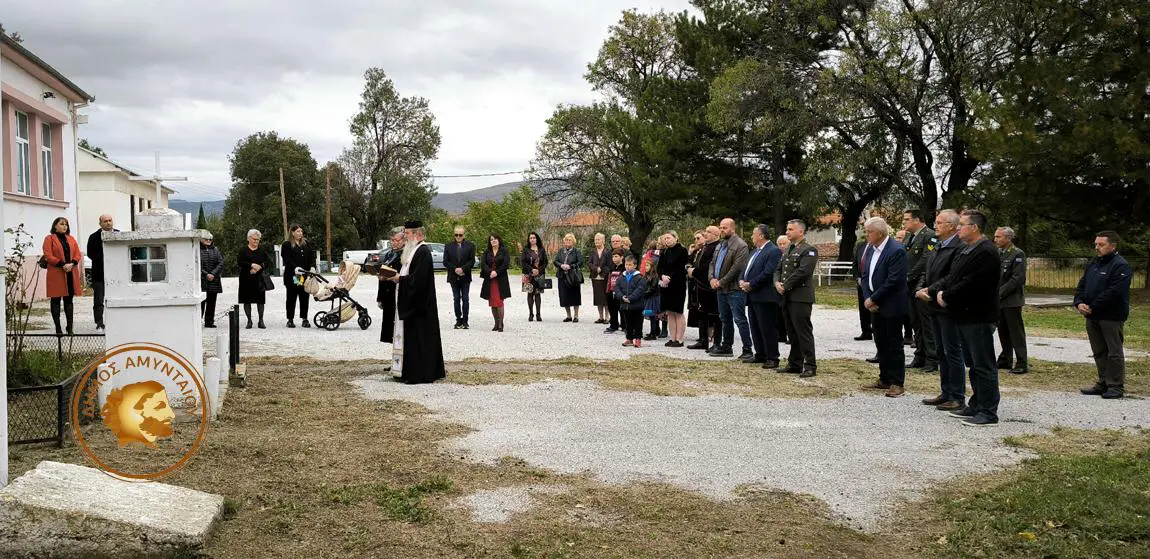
[
  {"x": 552, "y": 339},
  {"x": 499, "y": 505},
  {"x": 862, "y": 454}
]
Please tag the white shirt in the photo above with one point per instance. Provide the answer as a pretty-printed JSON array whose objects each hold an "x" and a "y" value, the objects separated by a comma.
[
  {"x": 874, "y": 260},
  {"x": 751, "y": 260}
]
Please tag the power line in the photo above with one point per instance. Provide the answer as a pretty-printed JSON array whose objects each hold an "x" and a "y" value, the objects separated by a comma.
[{"x": 477, "y": 175}]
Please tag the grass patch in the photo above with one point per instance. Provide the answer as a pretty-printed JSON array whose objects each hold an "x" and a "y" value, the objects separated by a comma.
[
  {"x": 1066, "y": 322},
  {"x": 398, "y": 504},
  {"x": 836, "y": 297},
  {"x": 35, "y": 367},
  {"x": 1086, "y": 495}
]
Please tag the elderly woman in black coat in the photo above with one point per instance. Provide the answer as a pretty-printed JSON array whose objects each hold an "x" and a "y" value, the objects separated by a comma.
[
  {"x": 211, "y": 264},
  {"x": 568, "y": 269},
  {"x": 673, "y": 271},
  {"x": 496, "y": 287}
]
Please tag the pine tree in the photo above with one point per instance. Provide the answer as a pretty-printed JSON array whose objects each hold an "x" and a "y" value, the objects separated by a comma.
[{"x": 201, "y": 221}]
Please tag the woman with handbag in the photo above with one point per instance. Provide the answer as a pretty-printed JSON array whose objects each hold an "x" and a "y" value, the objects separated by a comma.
[
  {"x": 496, "y": 287},
  {"x": 296, "y": 253},
  {"x": 254, "y": 280},
  {"x": 533, "y": 262},
  {"x": 599, "y": 264},
  {"x": 61, "y": 259},
  {"x": 211, "y": 264},
  {"x": 568, "y": 265}
]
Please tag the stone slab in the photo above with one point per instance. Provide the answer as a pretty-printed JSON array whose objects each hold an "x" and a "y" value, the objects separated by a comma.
[{"x": 65, "y": 510}]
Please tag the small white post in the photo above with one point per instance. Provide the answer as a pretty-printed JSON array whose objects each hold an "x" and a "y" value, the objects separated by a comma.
[
  {"x": 224, "y": 349},
  {"x": 212, "y": 379}
]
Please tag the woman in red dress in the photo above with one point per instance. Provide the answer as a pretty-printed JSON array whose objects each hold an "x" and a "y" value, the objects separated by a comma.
[{"x": 496, "y": 287}]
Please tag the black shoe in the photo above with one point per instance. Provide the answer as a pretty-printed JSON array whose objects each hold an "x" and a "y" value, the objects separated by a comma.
[
  {"x": 291, "y": 324},
  {"x": 576, "y": 319},
  {"x": 963, "y": 413},
  {"x": 249, "y": 326},
  {"x": 465, "y": 326},
  {"x": 306, "y": 324},
  {"x": 210, "y": 325},
  {"x": 670, "y": 343},
  {"x": 929, "y": 368},
  {"x": 874, "y": 359},
  {"x": 260, "y": 325},
  {"x": 807, "y": 373},
  {"x": 611, "y": 330},
  {"x": 697, "y": 345},
  {"x": 1002, "y": 365},
  {"x": 722, "y": 352},
  {"x": 770, "y": 364},
  {"x": 568, "y": 319},
  {"x": 1113, "y": 393},
  {"x": 531, "y": 318},
  {"x": 101, "y": 326},
  {"x": 650, "y": 337},
  {"x": 916, "y": 364},
  {"x": 863, "y": 337},
  {"x": 980, "y": 421},
  {"x": 1019, "y": 370},
  {"x": 676, "y": 344},
  {"x": 790, "y": 371},
  {"x": 456, "y": 327},
  {"x": 747, "y": 357},
  {"x": 69, "y": 330},
  {"x": 1096, "y": 390}
]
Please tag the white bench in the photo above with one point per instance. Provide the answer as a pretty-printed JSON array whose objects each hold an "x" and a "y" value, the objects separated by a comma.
[{"x": 831, "y": 270}]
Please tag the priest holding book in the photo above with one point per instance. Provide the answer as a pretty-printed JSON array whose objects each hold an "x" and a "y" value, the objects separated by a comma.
[{"x": 417, "y": 349}]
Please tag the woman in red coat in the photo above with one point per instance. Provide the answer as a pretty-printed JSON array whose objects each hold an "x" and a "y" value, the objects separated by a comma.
[{"x": 62, "y": 277}]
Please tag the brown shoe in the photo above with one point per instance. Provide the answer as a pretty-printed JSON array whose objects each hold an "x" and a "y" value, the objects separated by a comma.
[
  {"x": 950, "y": 405},
  {"x": 935, "y": 401},
  {"x": 878, "y": 385},
  {"x": 895, "y": 391}
]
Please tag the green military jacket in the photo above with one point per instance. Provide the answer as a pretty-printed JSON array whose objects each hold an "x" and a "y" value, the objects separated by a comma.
[
  {"x": 1012, "y": 279},
  {"x": 797, "y": 273},
  {"x": 921, "y": 244}
]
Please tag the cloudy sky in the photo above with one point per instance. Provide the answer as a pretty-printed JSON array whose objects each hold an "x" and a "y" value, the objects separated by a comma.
[{"x": 191, "y": 78}]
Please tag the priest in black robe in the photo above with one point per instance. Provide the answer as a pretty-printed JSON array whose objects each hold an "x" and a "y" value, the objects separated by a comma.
[{"x": 417, "y": 348}]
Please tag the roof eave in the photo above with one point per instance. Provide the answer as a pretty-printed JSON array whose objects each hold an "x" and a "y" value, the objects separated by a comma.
[{"x": 82, "y": 95}]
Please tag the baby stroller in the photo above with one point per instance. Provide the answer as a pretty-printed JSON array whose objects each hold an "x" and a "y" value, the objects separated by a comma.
[{"x": 343, "y": 307}]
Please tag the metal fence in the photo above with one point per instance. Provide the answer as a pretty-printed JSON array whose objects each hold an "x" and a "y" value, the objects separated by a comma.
[
  {"x": 1046, "y": 272},
  {"x": 39, "y": 413}
]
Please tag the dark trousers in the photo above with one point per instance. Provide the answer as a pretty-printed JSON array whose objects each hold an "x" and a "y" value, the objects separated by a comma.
[
  {"x": 613, "y": 310},
  {"x": 98, "y": 302},
  {"x": 461, "y": 296},
  {"x": 633, "y": 323},
  {"x": 951, "y": 365},
  {"x": 891, "y": 357},
  {"x": 924, "y": 348},
  {"x": 296, "y": 293},
  {"x": 763, "y": 333},
  {"x": 909, "y": 327},
  {"x": 802, "y": 335},
  {"x": 864, "y": 315},
  {"x": 978, "y": 340},
  {"x": 208, "y": 308},
  {"x": 781, "y": 326},
  {"x": 1106, "y": 338},
  {"x": 1012, "y": 338}
]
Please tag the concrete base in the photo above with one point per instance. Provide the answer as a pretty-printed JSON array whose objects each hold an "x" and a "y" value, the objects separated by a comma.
[{"x": 64, "y": 510}]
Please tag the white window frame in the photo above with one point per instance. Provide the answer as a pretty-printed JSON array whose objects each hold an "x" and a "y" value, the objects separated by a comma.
[
  {"x": 132, "y": 261},
  {"x": 23, "y": 155},
  {"x": 46, "y": 159}
]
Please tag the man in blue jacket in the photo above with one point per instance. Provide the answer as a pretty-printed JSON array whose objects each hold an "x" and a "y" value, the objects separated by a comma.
[
  {"x": 758, "y": 282},
  {"x": 884, "y": 269},
  {"x": 1103, "y": 297}
]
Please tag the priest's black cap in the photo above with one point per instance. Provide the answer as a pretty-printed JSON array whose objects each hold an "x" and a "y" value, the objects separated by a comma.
[{"x": 415, "y": 224}]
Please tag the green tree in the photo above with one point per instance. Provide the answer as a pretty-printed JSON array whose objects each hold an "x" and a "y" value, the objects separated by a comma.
[
  {"x": 512, "y": 218},
  {"x": 201, "y": 220},
  {"x": 395, "y": 140},
  {"x": 94, "y": 149}
]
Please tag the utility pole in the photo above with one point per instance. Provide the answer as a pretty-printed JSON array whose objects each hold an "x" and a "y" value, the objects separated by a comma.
[
  {"x": 327, "y": 205},
  {"x": 283, "y": 203}
]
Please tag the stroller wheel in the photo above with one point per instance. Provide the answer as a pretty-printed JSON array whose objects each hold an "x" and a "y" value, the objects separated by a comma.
[
  {"x": 331, "y": 321},
  {"x": 319, "y": 318},
  {"x": 364, "y": 321}
]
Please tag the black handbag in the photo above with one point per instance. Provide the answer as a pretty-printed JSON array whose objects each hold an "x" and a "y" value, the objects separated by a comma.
[
  {"x": 43, "y": 263},
  {"x": 269, "y": 285}
]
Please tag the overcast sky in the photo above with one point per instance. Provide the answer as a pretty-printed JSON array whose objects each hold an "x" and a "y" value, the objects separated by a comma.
[{"x": 191, "y": 78}]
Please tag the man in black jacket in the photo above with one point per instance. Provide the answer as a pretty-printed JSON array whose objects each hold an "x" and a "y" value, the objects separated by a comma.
[
  {"x": 864, "y": 315},
  {"x": 708, "y": 302},
  {"x": 1103, "y": 297},
  {"x": 970, "y": 294},
  {"x": 458, "y": 260},
  {"x": 947, "y": 340},
  {"x": 96, "y": 255}
]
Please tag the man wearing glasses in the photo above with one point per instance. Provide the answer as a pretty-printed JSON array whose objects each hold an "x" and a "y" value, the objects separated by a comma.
[
  {"x": 970, "y": 296},
  {"x": 459, "y": 259}
]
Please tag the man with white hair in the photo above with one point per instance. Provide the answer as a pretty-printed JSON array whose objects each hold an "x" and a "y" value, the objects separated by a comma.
[
  {"x": 1011, "y": 298},
  {"x": 417, "y": 350},
  {"x": 884, "y": 269}
]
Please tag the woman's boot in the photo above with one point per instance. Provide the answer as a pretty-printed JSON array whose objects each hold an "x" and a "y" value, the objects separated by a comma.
[
  {"x": 502, "y": 310},
  {"x": 495, "y": 319}
]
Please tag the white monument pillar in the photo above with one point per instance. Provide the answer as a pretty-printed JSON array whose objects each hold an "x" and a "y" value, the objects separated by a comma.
[{"x": 152, "y": 282}]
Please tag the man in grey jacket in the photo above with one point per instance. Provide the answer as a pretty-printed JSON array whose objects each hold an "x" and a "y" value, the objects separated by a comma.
[
  {"x": 728, "y": 263},
  {"x": 794, "y": 281}
]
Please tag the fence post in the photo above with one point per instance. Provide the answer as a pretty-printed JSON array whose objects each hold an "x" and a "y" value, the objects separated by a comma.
[
  {"x": 61, "y": 411},
  {"x": 59, "y": 348},
  {"x": 234, "y": 334}
]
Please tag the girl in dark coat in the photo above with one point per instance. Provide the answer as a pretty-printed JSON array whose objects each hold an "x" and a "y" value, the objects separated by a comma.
[
  {"x": 496, "y": 286},
  {"x": 568, "y": 264},
  {"x": 673, "y": 272},
  {"x": 252, "y": 261},
  {"x": 533, "y": 262},
  {"x": 211, "y": 264},
  {"x": 296, "y": 253}
]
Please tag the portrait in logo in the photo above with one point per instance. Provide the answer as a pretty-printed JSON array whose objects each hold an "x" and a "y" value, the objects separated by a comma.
[{"x": 139, "y": 411}]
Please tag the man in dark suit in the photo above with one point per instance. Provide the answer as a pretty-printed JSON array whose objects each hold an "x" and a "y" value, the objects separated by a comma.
[
  {"x": 947, "y": 341},
  {"x": 758, "y": 281},
  {"x": 856, "y": 273},
  {"x": 96, "y": 255},
  {"x": 459, "y": 259},
  {"x": 970, "y": 294},
  {"x": 884, "y": 288}
]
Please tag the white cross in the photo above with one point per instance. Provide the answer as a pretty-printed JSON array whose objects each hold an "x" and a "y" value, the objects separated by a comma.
[{"x": 158, "y": 178}]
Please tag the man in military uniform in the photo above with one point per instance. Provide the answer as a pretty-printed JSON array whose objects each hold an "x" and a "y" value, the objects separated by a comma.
[
  {"x": 922, "y": 241},
  {"x": 793, "y": 281},
  {"x": 1011, "y": 297}
]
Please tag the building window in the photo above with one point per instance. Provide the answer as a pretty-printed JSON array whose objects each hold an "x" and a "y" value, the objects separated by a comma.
[
  {"x": 149, "y": 264},
  {"x": 46, "y": 159},
  {"x": 23, "y": 155}
]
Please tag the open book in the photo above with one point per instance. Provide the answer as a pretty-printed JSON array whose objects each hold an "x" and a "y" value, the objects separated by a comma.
[{"x": 387, "y": 271}]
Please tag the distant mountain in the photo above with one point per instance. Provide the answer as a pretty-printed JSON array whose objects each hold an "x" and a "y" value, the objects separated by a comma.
[
  {"x": 456, "y": 202},
  {"x": 211, "y": 208}
]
